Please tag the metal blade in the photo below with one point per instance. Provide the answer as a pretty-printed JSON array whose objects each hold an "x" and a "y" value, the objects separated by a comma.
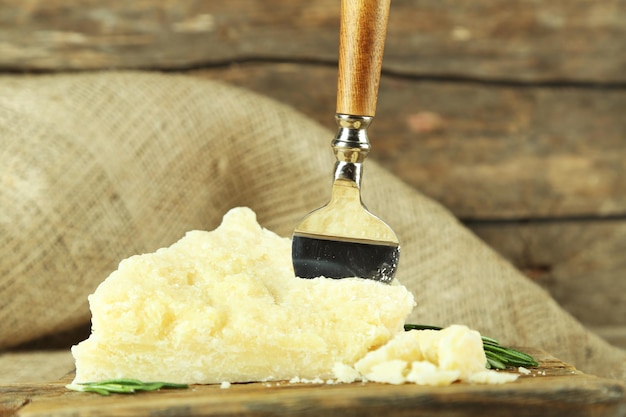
[{"x": 318, "y": 256}]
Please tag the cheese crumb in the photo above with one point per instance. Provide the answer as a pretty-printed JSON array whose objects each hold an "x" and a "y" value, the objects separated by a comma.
[
  {"x": 431, "y": 357},
  {"x": 390, "y": 372},
  {"x": 225, "y": 385},
  {"x": 426, "y": 373},
  {"x": 345, "y": 374},
  {"x": 298, "y": 380}
]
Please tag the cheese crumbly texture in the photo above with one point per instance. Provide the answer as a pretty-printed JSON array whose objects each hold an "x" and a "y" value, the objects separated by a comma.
[
  {"x": 431, "y": 357},
  {"x": 225, "y": 306}
]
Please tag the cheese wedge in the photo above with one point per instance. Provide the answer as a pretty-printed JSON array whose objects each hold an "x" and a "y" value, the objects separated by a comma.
[{"x": 225, "y": 306}]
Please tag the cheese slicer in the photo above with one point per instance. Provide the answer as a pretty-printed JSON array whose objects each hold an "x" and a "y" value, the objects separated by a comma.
[{"x": 343, "y": 239}]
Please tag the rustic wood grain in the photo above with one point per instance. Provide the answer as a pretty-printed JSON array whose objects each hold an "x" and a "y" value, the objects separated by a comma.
[
  {"x": 581, "y": 264},
  {"x": 524, "y": 40},
  {"x": 361, "y": 44},
  {"x": 552, "y": 389},
  {"x": 483, "y": 151}
]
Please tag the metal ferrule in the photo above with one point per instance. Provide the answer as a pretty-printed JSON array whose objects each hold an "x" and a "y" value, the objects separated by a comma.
[{"x": 351, "y": 146}]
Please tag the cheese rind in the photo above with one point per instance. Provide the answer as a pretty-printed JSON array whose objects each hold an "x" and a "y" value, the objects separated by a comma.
[{"x": 225, "y": 306}]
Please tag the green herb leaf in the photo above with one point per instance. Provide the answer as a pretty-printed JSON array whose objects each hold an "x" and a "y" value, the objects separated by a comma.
[
  {"x": 493, "y": 363},
  {"x": 123, "y": 386},
  {"x": 498, "y": 357}
]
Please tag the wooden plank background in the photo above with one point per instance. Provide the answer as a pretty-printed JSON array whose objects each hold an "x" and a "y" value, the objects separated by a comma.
[{"x": 511, "y": 113}]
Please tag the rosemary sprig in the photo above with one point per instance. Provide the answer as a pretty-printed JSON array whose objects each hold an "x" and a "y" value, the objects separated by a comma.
[
  {"x": 498, "y": 357},
  {"x": 123, "y": 386}
]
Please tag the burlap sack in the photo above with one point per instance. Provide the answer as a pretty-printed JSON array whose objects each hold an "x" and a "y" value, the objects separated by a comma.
[{"x": 97, "y": 167}]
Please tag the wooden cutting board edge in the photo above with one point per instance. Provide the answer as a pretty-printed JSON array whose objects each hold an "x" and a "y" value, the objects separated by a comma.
[{"x": 552, "y": 389}]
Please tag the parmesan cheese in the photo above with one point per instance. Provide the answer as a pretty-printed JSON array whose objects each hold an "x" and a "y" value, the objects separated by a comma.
[
  {"x": 225, "y": 306},
  {"x": 430, "y": 357}
]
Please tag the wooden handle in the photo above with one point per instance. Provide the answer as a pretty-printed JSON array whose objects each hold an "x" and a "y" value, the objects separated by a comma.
[{"x": 361, "y": 43}]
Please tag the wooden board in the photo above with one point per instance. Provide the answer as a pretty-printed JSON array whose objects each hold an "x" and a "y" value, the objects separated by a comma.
[
  {"x": 552, "y": 389},
  {"x": 525, "y": 40}
]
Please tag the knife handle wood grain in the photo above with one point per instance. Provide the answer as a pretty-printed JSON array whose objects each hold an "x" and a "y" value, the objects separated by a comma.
[{"x": 362, "y": 34}]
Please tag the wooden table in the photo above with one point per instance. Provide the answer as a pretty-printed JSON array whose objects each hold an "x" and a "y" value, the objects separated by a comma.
[{"x": 552, "y": 389}]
